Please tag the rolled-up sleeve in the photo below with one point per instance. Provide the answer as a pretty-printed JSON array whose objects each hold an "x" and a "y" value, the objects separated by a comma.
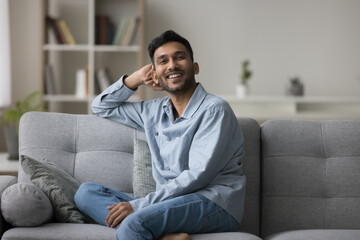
[{"x": 112, "y": 104}]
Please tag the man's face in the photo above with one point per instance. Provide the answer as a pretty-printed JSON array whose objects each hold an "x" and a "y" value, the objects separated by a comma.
[{"x": 174, "y": 69}]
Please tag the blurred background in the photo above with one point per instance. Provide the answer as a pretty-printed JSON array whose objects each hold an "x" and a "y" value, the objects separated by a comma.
[{"x": 316, "y": 42}]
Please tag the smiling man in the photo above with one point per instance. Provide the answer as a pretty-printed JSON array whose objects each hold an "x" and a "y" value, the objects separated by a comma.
[{"x": 196, "y": 145}]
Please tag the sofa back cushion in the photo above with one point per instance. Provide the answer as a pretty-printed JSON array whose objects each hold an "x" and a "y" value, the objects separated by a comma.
[
  {"x": 310, "y": 175},
  {"x": 90, "y": 148}
]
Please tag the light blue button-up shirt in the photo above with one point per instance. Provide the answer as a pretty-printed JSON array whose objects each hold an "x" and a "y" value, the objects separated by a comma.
[{"x": 198, "y": 152}]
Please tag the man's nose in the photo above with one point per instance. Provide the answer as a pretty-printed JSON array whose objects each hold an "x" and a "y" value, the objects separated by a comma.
[{"x": 172, "y": 64}]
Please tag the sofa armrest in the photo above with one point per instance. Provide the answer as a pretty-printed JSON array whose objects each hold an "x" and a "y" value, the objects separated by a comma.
[{"x": 5, "y": 182}]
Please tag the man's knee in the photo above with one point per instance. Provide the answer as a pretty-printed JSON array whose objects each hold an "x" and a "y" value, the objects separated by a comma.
[
  {"x": 132, "y": 226},
  {"x": 83, "y": 194}
]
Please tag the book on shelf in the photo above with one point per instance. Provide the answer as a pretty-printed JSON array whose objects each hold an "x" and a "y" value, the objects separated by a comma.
[
  {"x": 52, "y": 27},
  {"x": 66, "y": 31},
  {"x": 103, "y": 79},
  {"x": 126, "y": 31},
  {"x": 50, "y": 86},
  {"x": 61, "y": 30},
  {"x": 104, "y": 30}
]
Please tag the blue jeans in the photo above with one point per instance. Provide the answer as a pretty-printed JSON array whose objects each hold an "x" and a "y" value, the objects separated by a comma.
[{"x": 190, "y": 214}]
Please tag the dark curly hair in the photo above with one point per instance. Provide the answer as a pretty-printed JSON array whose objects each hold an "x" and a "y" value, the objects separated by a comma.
[{"x": 168, "y": 36}]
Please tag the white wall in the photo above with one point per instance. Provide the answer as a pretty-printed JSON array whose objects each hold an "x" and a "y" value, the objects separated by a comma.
[{"x": 318, "y": 40}]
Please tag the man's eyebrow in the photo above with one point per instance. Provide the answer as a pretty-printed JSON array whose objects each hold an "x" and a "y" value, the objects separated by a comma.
[{"x": 166, "y": 55}]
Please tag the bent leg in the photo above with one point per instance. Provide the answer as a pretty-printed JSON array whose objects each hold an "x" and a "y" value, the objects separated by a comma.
[
  {"x": 190, "y": 214},
  {"x": 93, "y": 199}
]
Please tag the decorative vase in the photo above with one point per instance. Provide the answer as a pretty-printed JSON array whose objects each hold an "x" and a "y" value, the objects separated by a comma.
[
  {"x": 241, "y": 90},
  {"x": 12, "y": 142},
  {"x": 295, "y": 87}
]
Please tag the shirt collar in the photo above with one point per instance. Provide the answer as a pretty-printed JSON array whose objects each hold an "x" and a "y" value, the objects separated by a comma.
[{"x": 193, "y": 105}]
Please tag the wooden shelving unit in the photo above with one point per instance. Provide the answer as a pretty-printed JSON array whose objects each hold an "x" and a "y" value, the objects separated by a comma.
[{"x": 66, "y": 59}]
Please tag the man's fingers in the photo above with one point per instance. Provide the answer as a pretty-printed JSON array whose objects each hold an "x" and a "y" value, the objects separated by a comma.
[{"x": 118, "y": 213}]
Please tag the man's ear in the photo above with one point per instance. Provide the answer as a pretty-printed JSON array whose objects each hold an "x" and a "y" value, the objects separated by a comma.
[
  {"x": 154, "y": 77},
  {"x": 196, "y": 68}
]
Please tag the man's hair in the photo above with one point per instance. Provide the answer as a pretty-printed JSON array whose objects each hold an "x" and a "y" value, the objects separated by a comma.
[{"x": 168, "y": 36}]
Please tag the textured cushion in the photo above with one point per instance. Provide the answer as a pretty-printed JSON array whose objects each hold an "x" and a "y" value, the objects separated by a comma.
[
  {"x": 143, "y": 181},
  {"x": 24, "y": 205},
  {"x": 58, "y": 185}
]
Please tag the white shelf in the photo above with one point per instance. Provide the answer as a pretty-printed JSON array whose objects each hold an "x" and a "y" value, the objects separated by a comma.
[
  {"x": 97, "y": 48},
  {"x": 263, "y": 108},
  {"x": 65, "y": 98},
  {"x": 111, "y": 48},
  {"x": 65, "y": 47}
]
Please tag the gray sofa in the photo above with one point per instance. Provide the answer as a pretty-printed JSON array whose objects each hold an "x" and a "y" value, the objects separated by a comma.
[{"x": 302, "y": 176}]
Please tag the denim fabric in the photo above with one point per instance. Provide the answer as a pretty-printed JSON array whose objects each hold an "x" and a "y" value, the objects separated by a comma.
[{"x": 191, "y": 213}]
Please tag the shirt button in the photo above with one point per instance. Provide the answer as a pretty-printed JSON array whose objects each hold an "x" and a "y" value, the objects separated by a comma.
[
  {"x": 169, "y": 139},
  {"x": 156, "y": 133}
]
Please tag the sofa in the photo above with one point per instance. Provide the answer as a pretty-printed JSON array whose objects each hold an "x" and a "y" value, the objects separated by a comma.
[{"x": 302, "y": 176}]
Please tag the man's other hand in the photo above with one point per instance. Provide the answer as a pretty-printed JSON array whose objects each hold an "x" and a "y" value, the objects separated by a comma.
[{"x": 117, "y": 213}]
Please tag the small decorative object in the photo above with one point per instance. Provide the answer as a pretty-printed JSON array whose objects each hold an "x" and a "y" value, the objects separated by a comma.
[
  {"x": 296, "y": 87},
  {"x": 11, "y": 118},
  {"x": 242, "y": 86}
]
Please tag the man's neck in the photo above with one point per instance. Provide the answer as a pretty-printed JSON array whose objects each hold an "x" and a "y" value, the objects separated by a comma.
[{"x": 180, "y": 101}]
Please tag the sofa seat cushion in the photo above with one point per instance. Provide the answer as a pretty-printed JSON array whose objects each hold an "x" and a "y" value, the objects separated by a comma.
[
  {"x": 61, "y": 231},
  {"x": 68, "y": 231},
  {"x": 316, "y": 234},
  {"x": 225, "y": 236},
  {"x": 24, "y": 205}
]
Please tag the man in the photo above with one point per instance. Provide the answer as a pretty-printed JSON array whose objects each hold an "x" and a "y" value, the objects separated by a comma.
[{"x": 195, "y": 143}]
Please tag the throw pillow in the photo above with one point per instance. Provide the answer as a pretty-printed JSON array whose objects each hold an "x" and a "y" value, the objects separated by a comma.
[
  {"x": 24, "y": 205},
  {"x": 143, "y": 181},
  {"x": 58, "y": 185}
]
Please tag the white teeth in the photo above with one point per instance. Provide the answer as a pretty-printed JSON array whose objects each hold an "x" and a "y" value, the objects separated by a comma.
[{"x": 174, "y": 75}]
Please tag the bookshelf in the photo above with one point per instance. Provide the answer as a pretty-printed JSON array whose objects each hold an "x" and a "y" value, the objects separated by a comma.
[{"x": 66, "y": 66}]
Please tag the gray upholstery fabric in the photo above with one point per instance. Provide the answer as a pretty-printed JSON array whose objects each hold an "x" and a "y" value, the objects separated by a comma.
[
  {"x": 225, "y": 236},
  {"x": 317, "y": 234},
  {"x": 24, "y": 205},
  {"x": 61, "y": 231},
  {"x": 143, "y": 181},
  {"x": 5, "y": 182},
  {"x": 310, "y": 175},
  {"x": 58, "y": 186},
  {"x": 251, "y": 161},
  {"x": 81, "y": 145}
]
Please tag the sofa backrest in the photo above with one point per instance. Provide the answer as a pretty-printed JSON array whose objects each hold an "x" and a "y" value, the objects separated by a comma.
[
  {"x": 99, "y": 150},
  {"x": 90, "y": 148},
  {"x": 310, "y": 175}
]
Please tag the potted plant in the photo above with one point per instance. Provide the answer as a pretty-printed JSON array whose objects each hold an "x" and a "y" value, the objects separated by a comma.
[
  {"x": 246, "y": 73},
  {"x": 11, "y": 118}
]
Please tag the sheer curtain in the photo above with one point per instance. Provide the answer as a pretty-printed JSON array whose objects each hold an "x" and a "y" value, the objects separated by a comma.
[{"x": 5, "y": 67}]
